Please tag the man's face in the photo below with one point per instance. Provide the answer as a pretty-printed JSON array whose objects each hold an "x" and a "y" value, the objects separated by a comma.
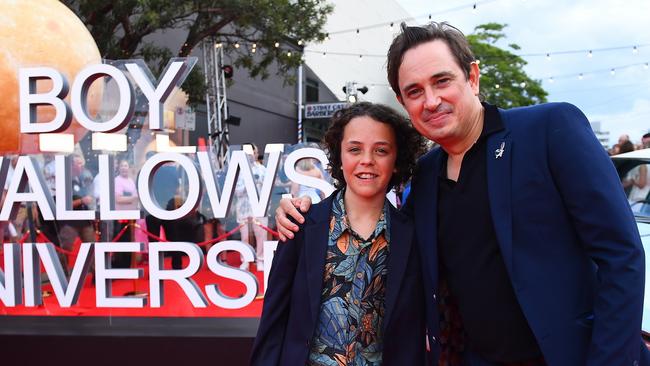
[
  {"x": 645, "y": 142},
  {"x": 438, "y": 97},
  {"x": 77, "y": 166}
]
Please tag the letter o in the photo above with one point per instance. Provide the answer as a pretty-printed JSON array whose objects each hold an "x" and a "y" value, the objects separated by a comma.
[
  {"x": 79, "y": 96},
  {"x": 145, "y": 180}
]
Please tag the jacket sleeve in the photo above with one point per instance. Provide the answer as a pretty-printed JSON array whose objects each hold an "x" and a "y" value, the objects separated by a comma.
[
  {"x": 267, "y": 348},
  {"x": 593, "y": 195}
]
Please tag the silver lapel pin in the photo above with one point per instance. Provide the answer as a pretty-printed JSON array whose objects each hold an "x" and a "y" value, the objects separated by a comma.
[{"x": 498, "y": 153}]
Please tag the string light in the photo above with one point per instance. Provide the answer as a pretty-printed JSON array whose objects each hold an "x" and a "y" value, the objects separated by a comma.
[
  {"x": 548, "y": 57},
  {"x": 497, "y": 86},
  {"x": 236, "y": 45},
  {"x": 254, "y": 45},
  {"x": 612, "y": 72},
  {"x": 391, "y": 26},
  {"x": 645, "y": 66},
  {"x": 550, "y": 80},
  {"x": 289, "y": 54},
  {"x": 472, "y": 5},
  {"x": 580, "y": 76},
  {"x": 474, "y": 8},
  {"x": 277, "y": 44},
  {"x": 590, "y": 54},
  {"x": 522, "y": 84},
  {"x": 357, "y": 30},
  {"x": 635, "y": 50},
  {"x": 300, "y": 42},
  {"x": 324, "y": 54},
  {"x": 360, "y": 58},
  {"x": 253, "y": 49},
  {"x": 327, "y": 37}
]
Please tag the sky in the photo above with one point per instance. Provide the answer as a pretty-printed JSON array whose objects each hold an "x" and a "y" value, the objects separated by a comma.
[{"x": 619, "y": 100}]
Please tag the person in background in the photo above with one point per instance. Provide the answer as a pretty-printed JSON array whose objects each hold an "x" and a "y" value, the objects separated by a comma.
[
  {"x": 126, "y": 198},
  {"x": 307, "y": 167},
  {"x": 245, "y": 214},
  {"x": 82, "y": 199},
  {"x": 645, "y": 140}
]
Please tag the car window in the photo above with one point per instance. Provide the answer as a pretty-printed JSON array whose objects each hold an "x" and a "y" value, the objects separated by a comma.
[{"x": 637, "y": 187}]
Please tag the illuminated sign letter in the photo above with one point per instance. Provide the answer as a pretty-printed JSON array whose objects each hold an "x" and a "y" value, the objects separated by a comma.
[
  {"x": 10, "y": 280},
  {"x": 104, "y": 275},
  {"x": 17, "y": 192},
  {"x": 145, "y": 181},
  {"x": 52, "y": 264},
  {"x": 217, "y": 266},
  {"x": 79, "y": 97},
  {"x": 174, "y": 74},
  {"x": 30, "y": 100},
  {"x": 181, "y": 276}
]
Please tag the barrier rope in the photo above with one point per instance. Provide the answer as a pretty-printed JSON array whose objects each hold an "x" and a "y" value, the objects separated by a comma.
[
  {"x": 221, "y": 237},
  {"x": 268, "y": 229},
  {"x": 42, "y": 238}
]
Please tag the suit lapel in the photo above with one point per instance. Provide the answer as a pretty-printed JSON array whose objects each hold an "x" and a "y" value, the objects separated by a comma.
[
  {"x": 316, "y": 239},
  {"x": 426, "y": 214},
  {"x": 499, "y": 182},
  {"x": 401, "y": 234}
]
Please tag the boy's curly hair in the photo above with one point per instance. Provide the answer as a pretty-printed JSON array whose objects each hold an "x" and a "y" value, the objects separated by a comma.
[{"x": 410, "y": 144}]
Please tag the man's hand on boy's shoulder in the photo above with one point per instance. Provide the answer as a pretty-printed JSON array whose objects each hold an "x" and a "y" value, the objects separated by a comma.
[{"x": 287, "y": 210}]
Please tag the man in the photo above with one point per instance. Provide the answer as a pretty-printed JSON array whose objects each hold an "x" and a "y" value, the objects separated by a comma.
[
  {"x": 645, "y": 140},
  {"x": 520, "y": 217},
  {"x": 82, "y": 199}
]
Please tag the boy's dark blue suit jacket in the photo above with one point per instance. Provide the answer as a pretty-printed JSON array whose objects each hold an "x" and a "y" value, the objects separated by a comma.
[{"x": 292, "y": 301}]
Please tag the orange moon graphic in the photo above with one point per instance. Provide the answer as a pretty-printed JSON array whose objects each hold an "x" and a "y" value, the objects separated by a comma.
[{"x": 40, "y": 33}]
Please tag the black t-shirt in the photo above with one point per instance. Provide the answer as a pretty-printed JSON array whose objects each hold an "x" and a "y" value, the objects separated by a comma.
[{"x": 471, "y": 259}]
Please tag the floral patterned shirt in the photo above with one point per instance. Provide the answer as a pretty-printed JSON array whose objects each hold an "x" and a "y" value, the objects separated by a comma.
[{"x": 349, "y": 329}]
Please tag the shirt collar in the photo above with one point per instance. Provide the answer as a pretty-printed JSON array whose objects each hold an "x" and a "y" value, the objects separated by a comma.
[
  {"x": 340, "y": 222},
  {"x": 491, "y": 120}
]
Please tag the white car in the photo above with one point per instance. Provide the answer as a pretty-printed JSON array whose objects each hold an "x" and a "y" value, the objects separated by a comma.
[{"x": 634, "y": 170}]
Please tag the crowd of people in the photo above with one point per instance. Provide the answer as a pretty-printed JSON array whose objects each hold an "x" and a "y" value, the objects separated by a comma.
[{"x": 624, "y": 144}]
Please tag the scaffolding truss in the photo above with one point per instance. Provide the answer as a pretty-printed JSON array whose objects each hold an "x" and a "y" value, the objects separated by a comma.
[{"x": 216, "y": 99}]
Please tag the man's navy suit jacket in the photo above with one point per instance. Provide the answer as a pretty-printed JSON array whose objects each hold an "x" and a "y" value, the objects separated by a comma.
[
  {"x": 292, "y": 301},
  {"x": 566, "y": 233}
]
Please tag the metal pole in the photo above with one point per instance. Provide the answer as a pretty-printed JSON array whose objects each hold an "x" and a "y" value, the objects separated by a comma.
[
  {"x": 301, "y": 137},
  {"x": 206, "y": 73}
]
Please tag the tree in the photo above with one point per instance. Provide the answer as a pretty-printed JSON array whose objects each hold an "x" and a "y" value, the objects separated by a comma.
[
  {"x": 120, "y": 29},
  {"x": 503, "y": 80}
]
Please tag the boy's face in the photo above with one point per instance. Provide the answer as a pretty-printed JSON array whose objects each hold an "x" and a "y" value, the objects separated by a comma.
[{"x": 368, "y": 154}]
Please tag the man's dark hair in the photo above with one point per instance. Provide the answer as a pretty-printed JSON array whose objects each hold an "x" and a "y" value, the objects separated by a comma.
[
  {"x": 411, "y": 37},
  {"x": 410, "y": 144},
  {"x": 647, "y": 135}
]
